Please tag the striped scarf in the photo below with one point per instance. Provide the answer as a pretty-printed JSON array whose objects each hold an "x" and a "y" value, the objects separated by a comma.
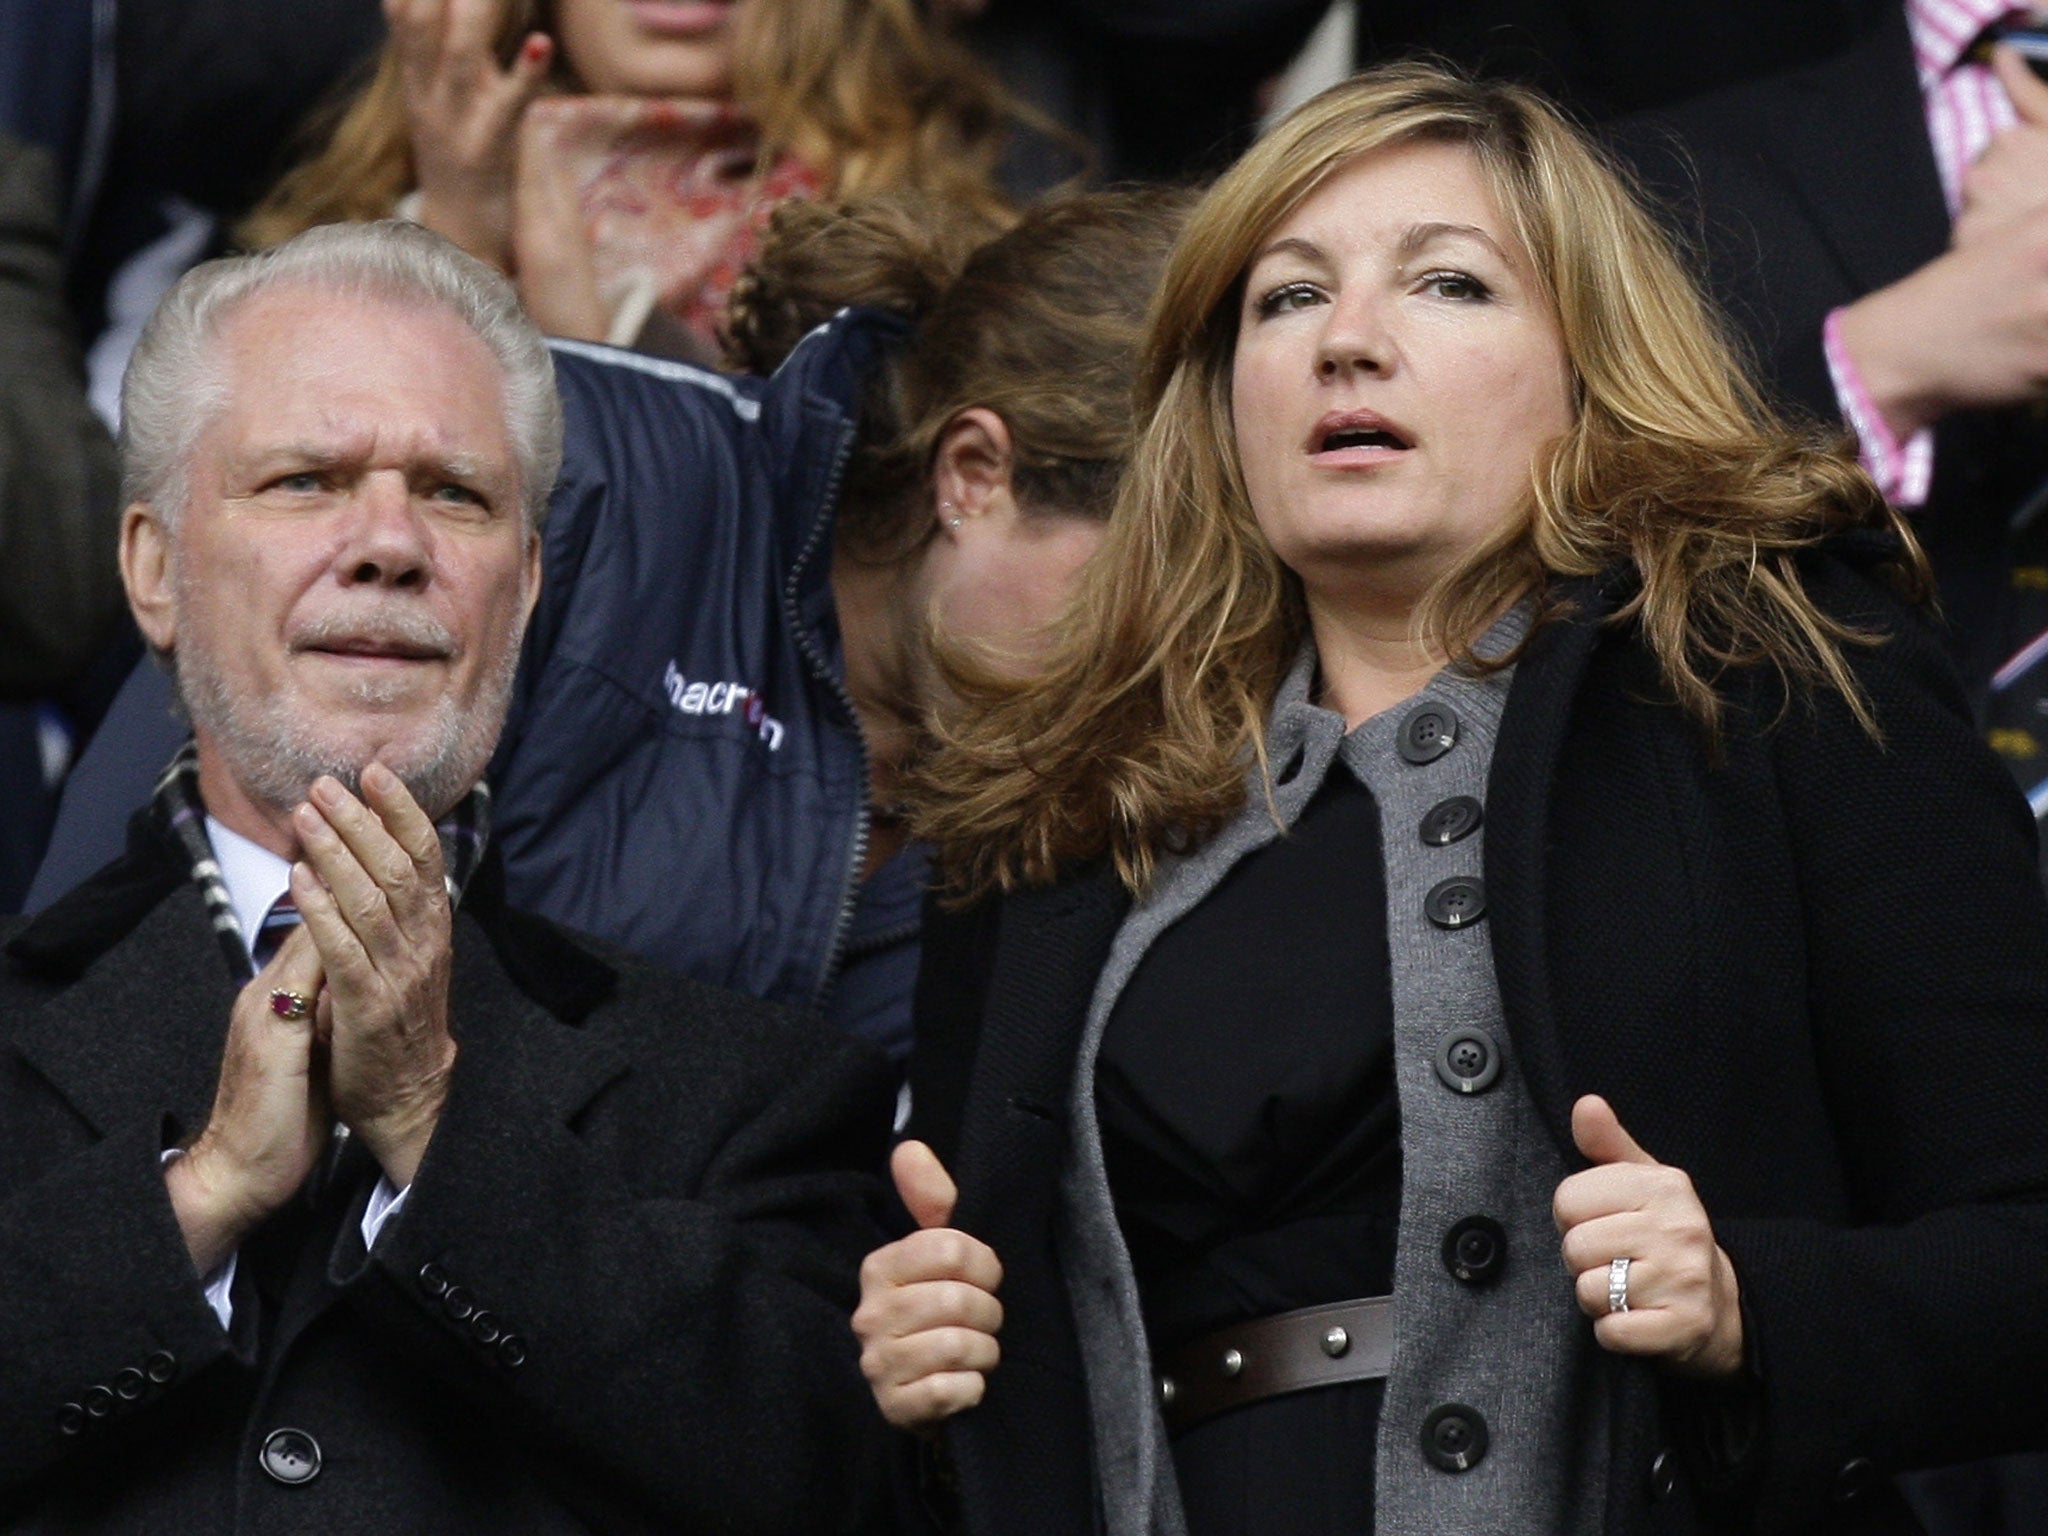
[{"x": 181, "y": 815}]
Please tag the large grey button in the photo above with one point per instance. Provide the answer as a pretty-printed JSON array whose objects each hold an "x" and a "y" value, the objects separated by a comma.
[
  {"x": 1454, "y": 1438},
  {"x": 1467, "y": 1060},
  {"x": 1449, "y": 820},
  {"x": 1457, "y": 902},
  {"x": 1428, "y": 733},
  {"x": 290, "y": 1456},
  {"x": 1476, "y": 1250}
]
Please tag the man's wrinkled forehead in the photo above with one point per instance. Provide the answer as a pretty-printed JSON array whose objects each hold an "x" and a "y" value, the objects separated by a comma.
[{"x": 291, "y": 396}]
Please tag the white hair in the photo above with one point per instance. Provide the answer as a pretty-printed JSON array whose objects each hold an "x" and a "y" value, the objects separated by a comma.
[{"x": 175, "y": 383}]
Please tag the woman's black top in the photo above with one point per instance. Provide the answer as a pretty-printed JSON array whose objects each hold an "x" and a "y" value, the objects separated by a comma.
[{"x": 1251, "y": 1132}]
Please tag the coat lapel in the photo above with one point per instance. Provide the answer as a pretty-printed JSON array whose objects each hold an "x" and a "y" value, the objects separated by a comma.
[
  {"x": 141, "y": 1029},
  {"x": 1053, "y": 944},
  {"x": 493, "y": 1017},
  {"x": 1051, "y": 948},
  {"x": 1525, "y": 758}
]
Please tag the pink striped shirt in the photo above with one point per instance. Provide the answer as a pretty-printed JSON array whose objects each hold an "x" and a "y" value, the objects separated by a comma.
[{"x": 1966, "y": 108}]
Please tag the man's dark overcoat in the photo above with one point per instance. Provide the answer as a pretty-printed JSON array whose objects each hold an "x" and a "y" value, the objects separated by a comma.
[{"x": 615, "y": 1299}]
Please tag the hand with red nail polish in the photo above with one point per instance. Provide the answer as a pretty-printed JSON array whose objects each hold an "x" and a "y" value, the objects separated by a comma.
[{"x": 462, "y": 110}]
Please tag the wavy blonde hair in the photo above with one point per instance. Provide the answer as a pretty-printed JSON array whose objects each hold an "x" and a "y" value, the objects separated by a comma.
[
  {"x": 1139, "y": 730},
  {"x": 863, "y": 92}
]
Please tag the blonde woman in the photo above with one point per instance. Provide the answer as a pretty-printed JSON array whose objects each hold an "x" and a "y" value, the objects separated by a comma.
[
  {"x": 1498, "y": 992},
  {"x": 619, "y": 157}
]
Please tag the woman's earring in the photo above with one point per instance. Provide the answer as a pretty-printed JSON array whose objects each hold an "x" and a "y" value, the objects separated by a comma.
[{"x": 953, "y": 519}]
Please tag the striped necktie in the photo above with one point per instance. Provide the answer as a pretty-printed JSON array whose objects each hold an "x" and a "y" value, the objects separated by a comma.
[{"x": 280, "y": 920}]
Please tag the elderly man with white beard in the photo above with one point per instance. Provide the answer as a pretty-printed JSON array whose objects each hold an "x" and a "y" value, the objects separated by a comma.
[{"x": 334, "y": 1194}]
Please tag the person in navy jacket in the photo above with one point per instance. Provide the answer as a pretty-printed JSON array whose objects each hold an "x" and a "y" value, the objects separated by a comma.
[{"x": 729, "y": 660}]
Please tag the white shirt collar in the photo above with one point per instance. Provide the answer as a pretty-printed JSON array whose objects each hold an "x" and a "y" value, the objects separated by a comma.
[{"x": 255, "y": 877}]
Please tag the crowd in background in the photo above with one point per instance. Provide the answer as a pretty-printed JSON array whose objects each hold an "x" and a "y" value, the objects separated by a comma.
[{"x": 147, "y": 135}]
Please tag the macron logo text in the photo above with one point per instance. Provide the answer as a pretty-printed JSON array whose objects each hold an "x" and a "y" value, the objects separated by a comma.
[{"x": 722, "y": 699}]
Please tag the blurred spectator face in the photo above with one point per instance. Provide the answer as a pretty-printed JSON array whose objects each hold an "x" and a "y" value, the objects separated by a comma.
[
  {"x": 649, "y": 47},
  {"x": 352, "y": 571},
  {"x": 1002, "y": 586},
  {"x": 1398, "y": 370},
  {"x": 997, "y": 572}
]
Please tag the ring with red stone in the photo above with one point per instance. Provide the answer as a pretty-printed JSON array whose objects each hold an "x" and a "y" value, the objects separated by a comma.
[{"x": 291, "y": 1005}]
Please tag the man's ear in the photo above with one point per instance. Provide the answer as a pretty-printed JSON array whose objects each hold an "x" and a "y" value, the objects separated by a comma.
[
  {"x": 972, "y": 468},
  {"x": 146, "y": 573},
  {"x": 533, "y": 572}
]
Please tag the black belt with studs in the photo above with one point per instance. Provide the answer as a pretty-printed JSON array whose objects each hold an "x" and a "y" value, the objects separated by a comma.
[{"x": 1309, "y": 1347}]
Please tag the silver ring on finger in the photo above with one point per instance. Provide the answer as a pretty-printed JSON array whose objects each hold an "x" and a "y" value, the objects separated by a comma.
[{"x": 1617, "y": 1284}]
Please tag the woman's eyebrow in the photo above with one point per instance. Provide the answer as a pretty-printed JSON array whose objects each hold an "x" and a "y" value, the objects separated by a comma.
[
  {"x": 1414, "y": 240},
  {"x": 1419, "y": 237},
  {"x": 1295, "y": 245}
]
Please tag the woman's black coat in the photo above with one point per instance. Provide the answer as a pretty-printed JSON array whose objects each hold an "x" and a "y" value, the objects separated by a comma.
[{"x": 1811, "y": 969}]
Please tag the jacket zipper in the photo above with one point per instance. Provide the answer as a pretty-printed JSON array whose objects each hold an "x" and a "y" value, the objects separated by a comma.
[{"x": 807, "y": 644}]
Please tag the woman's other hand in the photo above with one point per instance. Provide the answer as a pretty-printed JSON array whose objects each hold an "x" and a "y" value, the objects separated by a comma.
[
  {"x": 1683, "y": 1304},
  {"x": 462, "y": 113},
  {"x": 928, "y": 1314}
]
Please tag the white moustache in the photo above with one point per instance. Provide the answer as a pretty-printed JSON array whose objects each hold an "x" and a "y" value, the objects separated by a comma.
[{"x": 376, "y": 626}]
